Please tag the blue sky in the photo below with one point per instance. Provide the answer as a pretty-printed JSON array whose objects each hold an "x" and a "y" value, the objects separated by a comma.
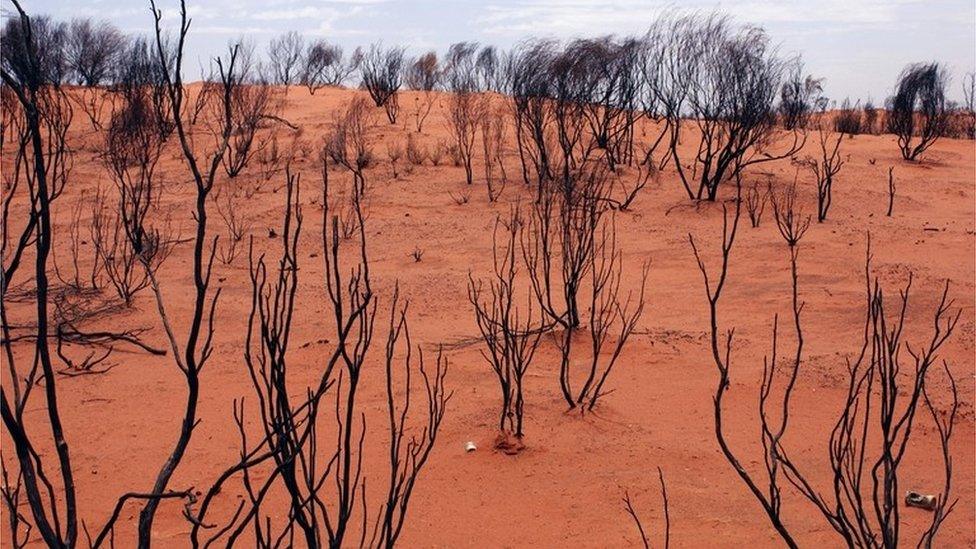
[{"x": 859, "y": 46}]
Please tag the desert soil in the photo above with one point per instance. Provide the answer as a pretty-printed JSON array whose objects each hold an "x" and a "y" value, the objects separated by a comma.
[{"x": 566, "y": 487}]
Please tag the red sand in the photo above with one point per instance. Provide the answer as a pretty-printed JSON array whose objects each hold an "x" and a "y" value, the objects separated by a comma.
[{"x": 565, "y": 489}]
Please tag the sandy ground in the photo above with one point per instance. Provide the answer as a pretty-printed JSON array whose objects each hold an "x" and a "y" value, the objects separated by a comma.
[{"x": 566, "y": 488}]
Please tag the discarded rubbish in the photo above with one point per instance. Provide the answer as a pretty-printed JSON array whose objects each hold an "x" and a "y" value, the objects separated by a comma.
[
  {"x": 914, "y": 499},
  {"x": 470, "y": 447}
]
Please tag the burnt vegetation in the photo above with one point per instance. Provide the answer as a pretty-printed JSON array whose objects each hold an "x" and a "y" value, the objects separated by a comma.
[
  {"x": 874, "y": 423},
  {"x": 382, "y": 74},
  {"x": 919, "y": 113},
  {"x": 564, "y": 138}
]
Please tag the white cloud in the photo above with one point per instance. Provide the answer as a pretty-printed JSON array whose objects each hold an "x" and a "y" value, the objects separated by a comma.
[
  {"x": 307, "y": 12},
  {"x": 590, "y": 17}
]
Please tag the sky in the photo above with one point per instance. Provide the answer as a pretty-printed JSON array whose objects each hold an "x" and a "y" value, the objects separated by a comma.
[{"x": 858, "y": 46}]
